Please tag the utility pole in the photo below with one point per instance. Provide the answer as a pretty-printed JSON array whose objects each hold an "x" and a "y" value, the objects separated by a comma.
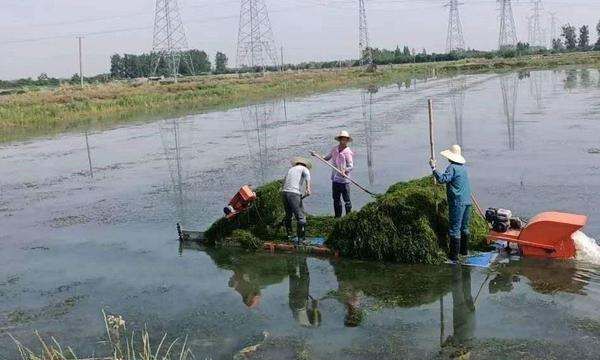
[
  {"x": 169, "y": 40},
  {"x": 537, "y": 32},
  {"x": 507, "y": 38},
  {"x": 282, "y": 59},
  {"x": 455, "y": 40},
  {"x": 79, "y": 38},
  {"x": 366, "y": 53},
  {"x": 256, "y": 44}
]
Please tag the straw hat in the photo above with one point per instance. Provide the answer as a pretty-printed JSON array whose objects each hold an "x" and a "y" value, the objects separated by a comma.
[
  {"x": 454, "y": 154},
  {"x": 342, "y": 134},
  {"x": 303, "y": 161}
]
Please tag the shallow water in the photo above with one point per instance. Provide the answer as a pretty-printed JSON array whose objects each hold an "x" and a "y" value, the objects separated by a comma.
[{"x": 86, "y": 230}]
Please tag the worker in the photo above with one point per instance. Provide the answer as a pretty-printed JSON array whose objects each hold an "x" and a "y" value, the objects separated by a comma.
[
  {"x": 458, "y": 191},
  {"x": 341, "y": 157},
  {"x": 296, "y": 187}
]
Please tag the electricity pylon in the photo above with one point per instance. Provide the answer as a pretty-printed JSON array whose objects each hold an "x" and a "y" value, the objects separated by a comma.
[
  {"x": 366, "y": 53},
  {"x": 367, "y": 113},
  {"x": 455, "y": 40},
  {"x": 169, "y": 41},
  {"x": 508, "y": 31},
  {"x": 553, "y": 22},
  {"x": 256, "y": 44},
  {"x": 537, "y": 31}
]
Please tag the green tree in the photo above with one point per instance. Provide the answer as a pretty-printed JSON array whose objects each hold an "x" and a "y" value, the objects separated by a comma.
[
  {"x": 569, "y": 33},
  {"x": 75, "y": 79},
  {"x": 584, "y": 37},
  {"x": 220, "y": 63},
  {"x": 597, "y": 46},
  {"x": 406, "y": 51},
  {"x": 557, "y": 45}
]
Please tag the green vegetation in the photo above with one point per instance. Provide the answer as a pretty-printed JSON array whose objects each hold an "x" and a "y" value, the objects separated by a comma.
[
  {"x": 129, "y": 66},
  {"x": 70, "y": 108},
  {"x": 408, "y": 224}
]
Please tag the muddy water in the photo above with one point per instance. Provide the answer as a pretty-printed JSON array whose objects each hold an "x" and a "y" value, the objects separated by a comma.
[{"x": 87, "y": 223}]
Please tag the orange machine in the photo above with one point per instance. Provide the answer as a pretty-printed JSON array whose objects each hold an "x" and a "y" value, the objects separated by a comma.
[
  {"x": 240, "y": 202},
  {"x": 546, "y": 235}
]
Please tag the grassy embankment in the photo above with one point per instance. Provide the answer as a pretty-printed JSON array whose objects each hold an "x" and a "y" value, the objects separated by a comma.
[{"x": 70, "y": 108}]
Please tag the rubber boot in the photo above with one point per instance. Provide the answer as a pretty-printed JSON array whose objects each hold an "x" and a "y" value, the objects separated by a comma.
[
  {"x": 454, "y": 248},
  {"x": 337, "y": 209},
  {"x": 302, "y": 234},
  {"x": 348, "y": 207},
  {"x": 464, "y": 244},
  {"x": 288, "y": 230}
]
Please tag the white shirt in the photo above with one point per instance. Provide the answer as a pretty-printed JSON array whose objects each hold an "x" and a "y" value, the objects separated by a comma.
[{"x": 296, "y": 179}]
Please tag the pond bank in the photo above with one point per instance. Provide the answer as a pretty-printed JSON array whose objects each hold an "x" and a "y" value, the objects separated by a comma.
[{"x": 70, "y": 108}]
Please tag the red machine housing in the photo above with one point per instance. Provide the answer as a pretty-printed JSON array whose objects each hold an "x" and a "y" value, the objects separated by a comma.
[
  {"x": 547, "y": 235},
  {"x": 240, "y": 201}
]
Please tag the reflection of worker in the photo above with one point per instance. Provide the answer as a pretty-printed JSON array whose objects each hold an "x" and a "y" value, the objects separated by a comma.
[
  {"x": 295, "y": 187},
  {"x": 458, "y": 191},
  {"x": 246, "y": 287},
  {"x": 341, "y": 157},
  {"x": 352, "y": 299},
  {"x": 299, "y": 297},
  {"x": 463, "y": 308}
]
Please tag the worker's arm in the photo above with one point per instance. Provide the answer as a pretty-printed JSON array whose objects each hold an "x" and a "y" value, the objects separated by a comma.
[
  {"x": 446, "y": 177},
  {"x": 349, "y": 162},
  {"x": 329, "y": 156},
  {"x": 308, "y": 185}
]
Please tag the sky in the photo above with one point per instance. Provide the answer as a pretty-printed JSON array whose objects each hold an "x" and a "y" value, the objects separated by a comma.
[{"x": 40, "y": 35}]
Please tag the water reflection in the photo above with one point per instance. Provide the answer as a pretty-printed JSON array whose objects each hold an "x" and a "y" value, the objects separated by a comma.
[
  {"x": 260, "y": 126},
  {"x": 367, "y": 115},
  {"x": 463, "y": 311},
  {"x": 457, "y": 87},
  {"x": 305, "y": 308},
  {"x": 89, "y": 155},
  {"x": 536, "y": 81},
  {"x": 170, "y": 135},
  {"x": 509, "y": 85}
]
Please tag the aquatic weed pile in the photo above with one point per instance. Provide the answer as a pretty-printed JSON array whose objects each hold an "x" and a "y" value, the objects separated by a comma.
[{"x": 408, "y": 224}]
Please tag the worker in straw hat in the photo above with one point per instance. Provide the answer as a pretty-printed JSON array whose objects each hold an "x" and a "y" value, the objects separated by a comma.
[
  {"x": 295, "y": 188},
  {"x": 341, "y": 157},
  {"x": 458, "y": 190}
]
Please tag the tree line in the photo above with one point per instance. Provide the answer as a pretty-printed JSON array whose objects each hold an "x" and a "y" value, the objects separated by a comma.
[
  {"x": 573, "y": 39},
  {"x": 191, "y": 62}
]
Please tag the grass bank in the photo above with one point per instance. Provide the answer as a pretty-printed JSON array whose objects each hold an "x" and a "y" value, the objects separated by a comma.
[{"x": 70, "y": 108}]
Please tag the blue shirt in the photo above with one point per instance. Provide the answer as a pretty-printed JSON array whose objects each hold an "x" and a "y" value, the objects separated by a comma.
[{"x": 458, "y": 188}]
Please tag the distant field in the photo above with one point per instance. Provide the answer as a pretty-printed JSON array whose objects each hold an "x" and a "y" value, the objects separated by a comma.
[{"x": 70, "y": 108}]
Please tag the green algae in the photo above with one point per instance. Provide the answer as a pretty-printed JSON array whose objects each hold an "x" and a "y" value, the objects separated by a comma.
[{"x": 407, "y": 224}]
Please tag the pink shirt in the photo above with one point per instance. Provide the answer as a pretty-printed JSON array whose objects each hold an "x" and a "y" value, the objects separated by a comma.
[{"x": 341, "y": 160}]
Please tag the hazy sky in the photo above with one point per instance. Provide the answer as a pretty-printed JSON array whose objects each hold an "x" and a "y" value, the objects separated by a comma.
[{"x": 39, "y": 35}]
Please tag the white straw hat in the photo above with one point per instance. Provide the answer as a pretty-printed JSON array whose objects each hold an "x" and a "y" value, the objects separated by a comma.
[
  {"x": 454, "y": 154},
  {"x": 342, "y": 134},
  {"x": 303, "y": 161}
]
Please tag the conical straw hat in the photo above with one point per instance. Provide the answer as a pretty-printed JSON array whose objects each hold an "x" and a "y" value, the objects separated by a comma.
[
  {"x": 303, "y": 161},
  {"x": 345, "y": 134},
  {"x": 454, "y": 154}
]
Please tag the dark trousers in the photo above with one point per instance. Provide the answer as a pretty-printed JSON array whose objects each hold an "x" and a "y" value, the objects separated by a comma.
[
  {"x": 341, "y": 191},
  {"x": 460, "y": 218},
  {"x": 293, "y": 206}
]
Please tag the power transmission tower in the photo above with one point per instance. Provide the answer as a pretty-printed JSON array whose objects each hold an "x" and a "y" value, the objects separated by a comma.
[
  {"x": 509, "y": 85},
  {"x": 553, "y": 22},
  {"x": 256, "y": 44},
  {"x": 508, "y": 30},
  {"x": 537, "y": 31},
  {"x": 366, "y": 53},
  {"x": 455, "y": 40},
  {"x": 169, "y": 41}
]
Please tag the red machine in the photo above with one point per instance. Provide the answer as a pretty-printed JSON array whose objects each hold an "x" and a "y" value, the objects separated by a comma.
[
  {"x": 240, "y": 202},
  {"x": 546, "y": 235}
]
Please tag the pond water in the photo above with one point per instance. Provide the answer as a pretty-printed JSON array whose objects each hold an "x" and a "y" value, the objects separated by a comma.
[{"x": 88, "y": 223}]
